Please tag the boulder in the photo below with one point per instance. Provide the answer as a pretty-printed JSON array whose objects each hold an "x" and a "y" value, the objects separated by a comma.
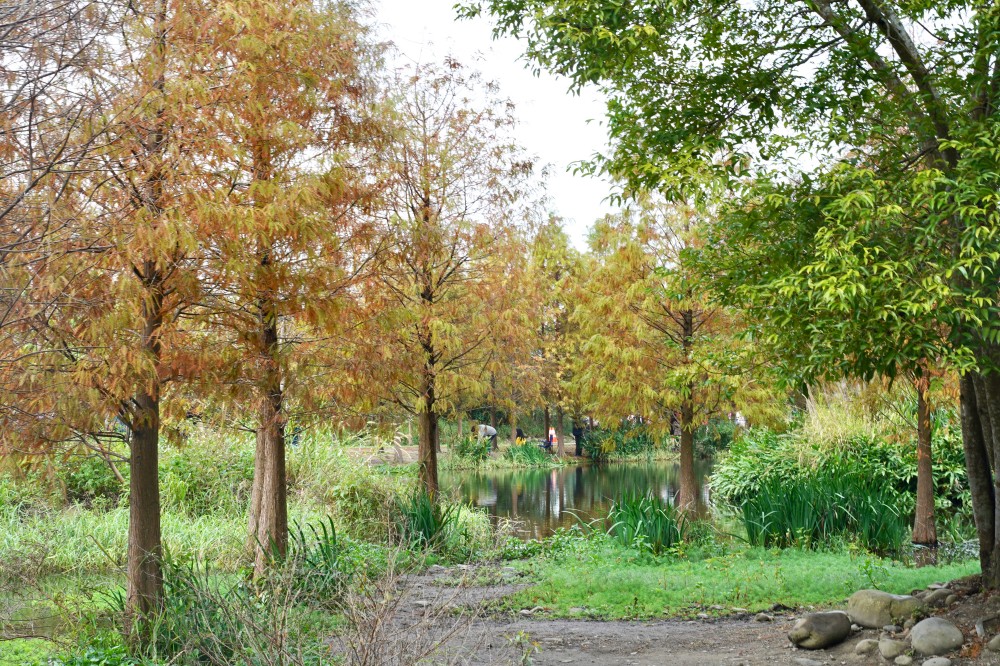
[
  {"x": 934, "y": 636},
  {"x": 903, "y": 660},
  {"x": 937, "y": 597},
  {"x": 819, "y": 630},
  {"x": 937, "y": 661},
  {"x": 875, "y": 609},
  {"x": 866, "y": 646},
  {"x": 890, "y": 648},
  {"x": 994, "y": 644}
]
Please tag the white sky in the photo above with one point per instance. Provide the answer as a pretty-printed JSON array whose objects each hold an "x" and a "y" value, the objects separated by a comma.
[{"x": 553, "y": 123}]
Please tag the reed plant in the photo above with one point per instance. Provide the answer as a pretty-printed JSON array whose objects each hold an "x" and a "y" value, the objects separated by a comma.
[
  {"x": 817, "y": 509},
  {"x": 527, "y": 454},
  {"x": 424, "y": 521},
  {"x": 646, "y": 522}
]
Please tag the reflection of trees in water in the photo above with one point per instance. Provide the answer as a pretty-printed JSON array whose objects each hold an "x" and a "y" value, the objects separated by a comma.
[{"x": 544, "y": 500}]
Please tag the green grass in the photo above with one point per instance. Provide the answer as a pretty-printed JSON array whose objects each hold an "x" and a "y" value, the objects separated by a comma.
[{"x": 610, "y": 582}]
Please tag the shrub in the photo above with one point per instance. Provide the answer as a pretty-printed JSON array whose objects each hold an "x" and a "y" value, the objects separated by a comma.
[
  {"x": 627, "y": 441},
  {"x": 646, "y": 522},
  {"x": 472, "y": 449},
  {"x": 714, "y": 436},
  {"x": 93, "y": 483},
  {"x": 813, "y": 510},
  {"x": 527, "y": 454},
  {"x": 424, "y": 522}
]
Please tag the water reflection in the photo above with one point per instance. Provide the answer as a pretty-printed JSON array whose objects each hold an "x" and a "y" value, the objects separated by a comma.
[{"x": 545, "y": 500}]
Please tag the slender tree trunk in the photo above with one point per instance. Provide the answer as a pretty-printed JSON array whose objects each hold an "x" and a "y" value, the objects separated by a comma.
[
  {"x": 546, "y": 423},
  {"x": 144, "y": 576},
  {"x": 688, "y": 490},
  {"x": 979, "y": 472},
  {"x": 924, "y": 529},
  {"x": 145, "y": 550},
  {"x": 559, "y": 431},
  {"x": 428, "y": 472},
  {"x": 269, "y": 498},
  {"x": 513, "y": 427},
  {"x": 461, "y": 425},
  {"x": 686, "y": 500}
]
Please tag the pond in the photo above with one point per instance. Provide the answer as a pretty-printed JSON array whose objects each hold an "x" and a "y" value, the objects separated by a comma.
[{"x": 543, "y": 500}]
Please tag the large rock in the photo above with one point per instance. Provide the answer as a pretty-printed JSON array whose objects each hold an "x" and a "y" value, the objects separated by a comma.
[
  {"x": 890, "y": 648},
  {"x": 935, "y": 635},
  {"x": 875, "y": 608},
  {"x": 866, "y": 646},
  {"x": 819, "y": 630}
]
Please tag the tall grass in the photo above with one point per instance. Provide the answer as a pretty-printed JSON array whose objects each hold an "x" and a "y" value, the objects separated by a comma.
[
  {"x": 424, "y": 522},
  {"x": 646, "y": 522},
  {"x": 815, "y": 510},
  {"x": 527, "y": 454}
]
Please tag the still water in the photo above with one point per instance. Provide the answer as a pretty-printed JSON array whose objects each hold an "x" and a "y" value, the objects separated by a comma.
[{"x": 543, "y": 500}]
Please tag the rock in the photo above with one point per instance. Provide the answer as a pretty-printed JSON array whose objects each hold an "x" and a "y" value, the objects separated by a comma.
[
  {"x": 874, "y": 608},
  {"x": 855, "y": 627},
  {"x": 935, "y": 636},
  {"x": 909, "y": 624},
  {"x": 423, "y": 603},
  {"x": 892, "y": 628},
  {"x": 436, "y": 569},
  {"x": 938, "y": 597},
  {"x": 952, "y": 598},
  {"x": 937, "y": 661},
  {"x": 577, "y": 609},
  {"x": 994, "y": 644},
  {"x": 866, "y": 646},
  {"x": 903, "y": 660},
  {"x": 763, "y": 617},
  {"x": 890, "y": 648},
  {"x": 937, "y": 586},
  {"x": 703, "y": 616},
  {"x": 819, "y": 630},
  {"x": 802, "y": 661}
]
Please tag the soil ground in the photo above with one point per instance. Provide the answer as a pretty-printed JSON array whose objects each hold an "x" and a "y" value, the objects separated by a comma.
[{"x": 726, "y": 641}]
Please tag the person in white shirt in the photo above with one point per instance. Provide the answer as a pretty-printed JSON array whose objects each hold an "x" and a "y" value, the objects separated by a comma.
[{"x": 483, "y": 430}]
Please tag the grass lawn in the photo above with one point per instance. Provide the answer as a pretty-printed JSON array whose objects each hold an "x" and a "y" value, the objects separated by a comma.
[{"x": 610, "y": 582}]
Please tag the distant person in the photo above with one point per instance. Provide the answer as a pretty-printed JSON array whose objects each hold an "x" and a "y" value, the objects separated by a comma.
[
  {"x": 483, "y": 430},
  {"x": 519, "y": 435}
]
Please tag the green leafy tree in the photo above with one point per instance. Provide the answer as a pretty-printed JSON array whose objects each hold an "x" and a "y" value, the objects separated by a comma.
[{"x": 907, "y": 89}]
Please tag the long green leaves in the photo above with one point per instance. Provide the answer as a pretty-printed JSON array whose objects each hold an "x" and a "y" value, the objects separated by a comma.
[
  {"x": 646, "y": 522},
  {"x": 812, "y": 511}
]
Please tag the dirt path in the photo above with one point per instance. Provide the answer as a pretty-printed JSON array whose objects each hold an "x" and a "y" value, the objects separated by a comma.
[{"x": 447, "y": 593}]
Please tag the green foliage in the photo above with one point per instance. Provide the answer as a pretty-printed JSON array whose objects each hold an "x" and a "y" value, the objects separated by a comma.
[
  {"x": 714, "y": 436},
  {"x": 527, "y": 454},
  {"x": 424, "y": 522},
  {"x": 790, "y": 491},
  {"x": 817, "y": 509},
  {"x": 208, "y": 476},
  {"x": 647, "y": 523},
  {"x": 472, "y": 449},
  {"x": 93, "y": 483},
  {"x": 597, "y": 578},
  {"x": 112, "y": 656},
  {"x": 629, "y": 440}
]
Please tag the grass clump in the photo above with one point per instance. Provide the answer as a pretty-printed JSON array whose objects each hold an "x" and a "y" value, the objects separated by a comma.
[
  {"x": 526, "y": 454},
  {"x": 425, "y": 522},
  {"x": 816, "y": 510},
  {"x": 647, "y": 523}
]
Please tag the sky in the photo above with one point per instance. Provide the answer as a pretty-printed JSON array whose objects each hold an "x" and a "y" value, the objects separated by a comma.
[{"x": 553, "y": 123}]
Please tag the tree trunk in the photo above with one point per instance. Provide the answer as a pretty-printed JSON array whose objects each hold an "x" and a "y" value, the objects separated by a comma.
[
  {"x": 269, "y": 498},
  {"x": 145, "y": 549},
  {"x": 461, "y": 425},
  {"x": 546, "y": 423},
  {"x": 513, "y": 427},
  {"x": 686, "y": 500},
  {"x": 979, "y": 472},
  {"x": 428, "y": 472},
  {"x": 559, "y": 431},
  {"x": 924, "y": 529}
]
